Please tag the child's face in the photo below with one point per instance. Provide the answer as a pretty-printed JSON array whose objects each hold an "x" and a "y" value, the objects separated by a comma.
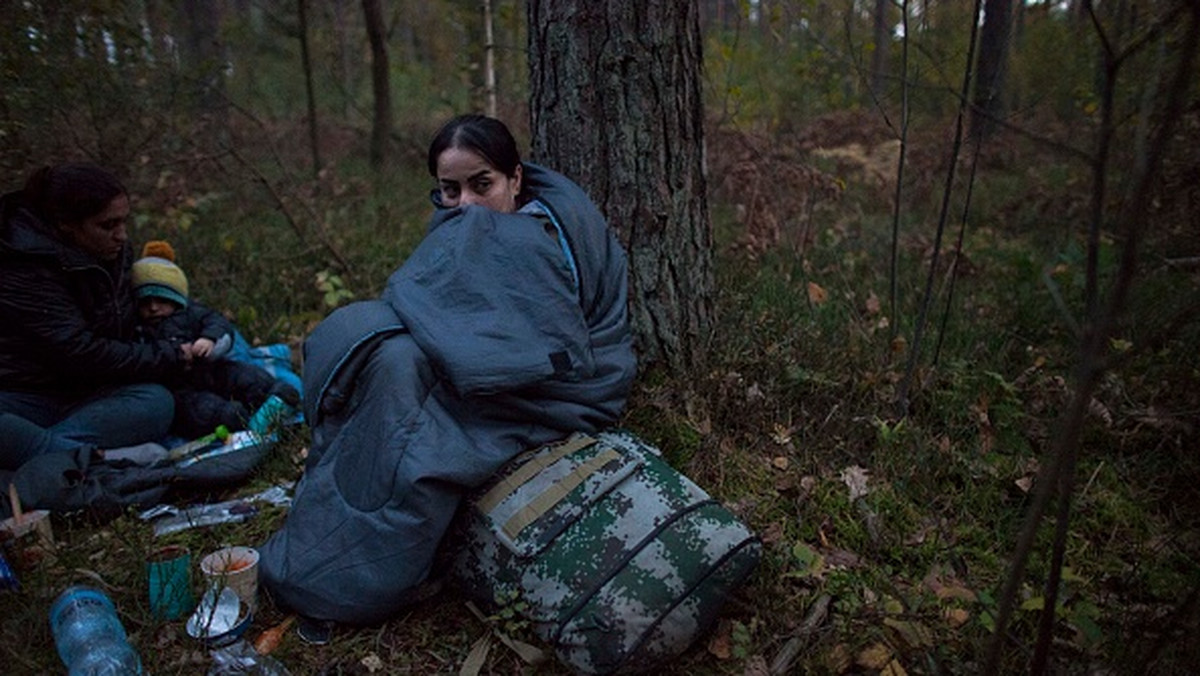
[{"x": 153, "y": 309}]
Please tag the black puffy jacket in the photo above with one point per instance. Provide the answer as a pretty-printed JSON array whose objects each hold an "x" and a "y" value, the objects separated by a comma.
[{"x": 66, "y": 319}]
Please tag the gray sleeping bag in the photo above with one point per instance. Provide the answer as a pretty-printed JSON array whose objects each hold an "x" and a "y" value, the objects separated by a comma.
[{"x": 500, "y": 333}]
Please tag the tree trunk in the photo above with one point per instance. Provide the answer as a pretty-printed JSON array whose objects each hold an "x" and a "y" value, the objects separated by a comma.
[
  {"x": 881, "y": 36},
  {"x": 381, "y": 130},
  {"x": 616, "y": 104},
  {"x": 205, "y": 60},
  {"x": 990, "y": 67},
  {"x": 306, "y": 63}
]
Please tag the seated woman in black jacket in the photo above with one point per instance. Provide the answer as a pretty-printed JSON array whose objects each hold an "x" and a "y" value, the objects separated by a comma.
[{"x": 72, "y": 374}]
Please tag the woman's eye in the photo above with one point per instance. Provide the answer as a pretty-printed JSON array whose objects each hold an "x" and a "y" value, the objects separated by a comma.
[
  {"x": 481, "y": 187},
  {"x": 450, "y": 191}
]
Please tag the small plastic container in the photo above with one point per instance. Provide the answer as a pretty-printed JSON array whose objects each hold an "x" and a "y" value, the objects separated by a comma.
[
  {"x": 269, "y": 416},
  {"x": 89, "y": 636}
]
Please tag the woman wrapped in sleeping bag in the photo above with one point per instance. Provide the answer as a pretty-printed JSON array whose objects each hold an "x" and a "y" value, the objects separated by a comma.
[{"x": 505, "y": 329}]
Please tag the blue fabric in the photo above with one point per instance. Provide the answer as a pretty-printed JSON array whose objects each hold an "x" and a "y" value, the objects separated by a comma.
[
  {"x": 482, "y": 345},
  {"x": 275, "y": 358},
  {"x": 32, "y": 424}
]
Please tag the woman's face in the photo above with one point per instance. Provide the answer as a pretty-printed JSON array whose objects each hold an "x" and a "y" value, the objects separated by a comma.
[
  {"x": 102, "y": 235},
  {"x": 465, "y": 178}
]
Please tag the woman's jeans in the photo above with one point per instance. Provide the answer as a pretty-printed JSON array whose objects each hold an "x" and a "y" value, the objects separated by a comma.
[{"x": 33, "y": 424}]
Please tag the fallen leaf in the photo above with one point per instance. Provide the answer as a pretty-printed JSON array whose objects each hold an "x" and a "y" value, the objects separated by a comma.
[
  {"x": 855, "y": 478},
  {"x": 893, "y": 668},
  {"x": 946, "y": 589},
  {"x": 372, "y": 663},
  {"x": 838, "y": 658},
  {"x": 477, "y": 657},
  {"x": 720, "y": 644},
  {"x": 899, "y": 345},
  {"x": 841, "y": 558},
  {"x": 817, "y": 294},
  {"x": 875, "y": 657},
  {"x": 956, "y": 617},
  {"x": 781, "y": 435},
  {"x": 915, "y": 634},
  {"x": 756, "y": 665},
  {"x": 1025, "y": 483},
  {"x": 773, "y": 533},
  {"x": 1099, "y": 410},
  {"x": 779, "y": 462},
  {"x": 872, "y": 303}
]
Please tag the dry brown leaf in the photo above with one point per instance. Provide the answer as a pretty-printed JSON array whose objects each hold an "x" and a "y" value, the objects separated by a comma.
[
  {"x": 874, "y": 657},
  {"x": 772, "y": 533},
  {"x": 780, "y": 462},
  {"x": 756, "y": 665},
  {"x": 720, "y": 644},
  {"x": 899, "y": 345},
  {"x": 817, "y": 294},
  {"x": 893, "y": 668},
  {"x": 946, "y": 588},
  {"x": 1025, "y": 483},
  {"x": 873, "y": 304},
  {"x": 914, "y": 634},
  {"x": 956, "y": 617},
  {"x": 841, "y": 558},
  {"x": 838, "y": 659}
]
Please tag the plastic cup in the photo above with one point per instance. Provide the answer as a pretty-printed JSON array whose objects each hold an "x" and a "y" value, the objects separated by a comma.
[
  {"x": 169, "y": 574},
  {"x": 236, "y": 568}
]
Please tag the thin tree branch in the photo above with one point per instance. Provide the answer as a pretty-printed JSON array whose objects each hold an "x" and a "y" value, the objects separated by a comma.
[
  {"x": 1093, "y": 346},
  {"x": 958, "y": 247},
  {"x": 894, "y": 272},
  {"x": 915, "y": 349}
]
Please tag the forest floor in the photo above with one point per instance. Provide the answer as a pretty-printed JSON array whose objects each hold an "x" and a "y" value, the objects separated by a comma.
[{"x": 888, "y": 531}]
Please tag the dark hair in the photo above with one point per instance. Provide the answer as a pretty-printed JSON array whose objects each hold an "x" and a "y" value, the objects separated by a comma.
[
  {"x": 70, "y": 193},
  {"x": 486, "y": 136}
]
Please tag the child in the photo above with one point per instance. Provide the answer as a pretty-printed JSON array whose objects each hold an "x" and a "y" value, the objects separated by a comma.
[{"x": 214, "y": 390}]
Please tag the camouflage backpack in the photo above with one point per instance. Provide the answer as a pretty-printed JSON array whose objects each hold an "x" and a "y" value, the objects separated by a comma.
[{"x": 617, "y": 560}]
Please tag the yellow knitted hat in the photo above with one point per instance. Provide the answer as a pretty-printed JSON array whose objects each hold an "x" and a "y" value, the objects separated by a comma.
[{"x": 155, "y": 274}]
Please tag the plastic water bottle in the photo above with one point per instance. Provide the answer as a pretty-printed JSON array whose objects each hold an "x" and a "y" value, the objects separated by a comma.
[
  {"x": 90, "y": 638},
  {"x": 269, "y": 415},
  {"x": 8, "y": 579}
]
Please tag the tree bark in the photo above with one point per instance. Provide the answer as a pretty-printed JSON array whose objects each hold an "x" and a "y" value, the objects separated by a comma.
[
  {"x": 205, "y": 60},
  {"x": 381, "y": 129},
  {"x": 991, "y": 66},
  {"x": 306, "y": 63},
  {"x": 616, "y": 104},
  {"x": 881, "y": 36}
]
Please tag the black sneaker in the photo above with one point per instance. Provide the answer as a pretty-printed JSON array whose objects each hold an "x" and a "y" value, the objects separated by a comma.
[{"x": 314, "y": 632}]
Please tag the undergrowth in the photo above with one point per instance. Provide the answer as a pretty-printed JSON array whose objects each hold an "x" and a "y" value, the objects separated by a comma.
[{"x": 887, "y": 535}]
